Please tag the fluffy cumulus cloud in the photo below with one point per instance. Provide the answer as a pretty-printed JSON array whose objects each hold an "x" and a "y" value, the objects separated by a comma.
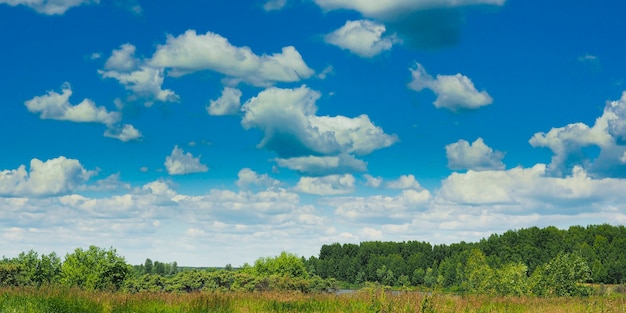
[
  {"x": 326, "y": 185},
  {"x": 475, "y": 156},
  {"x": 181, "y": 163},
  {"x": 404, "y": 182},
  {"x": 57, "y": 106},
  {"x": 291, "y": 128},
  {"x": 422, "y": 24},
  {"x": 228, "y": 104},
  {"x": 372, "y": 181},
  {"x": 45, "y": 178},
  {"x": 142, "y": 80},
  {"x": 454, "y": 92},
  {"x": 607, "y": 133},
  {"x": 191, "y": 52},
  {"x": 525, "y": 190},
  {"x": 476, "y": 204},
  {"x": 248, "y": 177},
  {"x": 124, "y": 133},
  {"x": 363, "y": 37},
  {"x": 50, "y": 7},
  {"x": 122, "y": 59},
  {"x": 615, "y": 112}
]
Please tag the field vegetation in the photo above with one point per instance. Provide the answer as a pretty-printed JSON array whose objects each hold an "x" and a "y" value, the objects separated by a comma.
[{"x": 62, "y": 300}]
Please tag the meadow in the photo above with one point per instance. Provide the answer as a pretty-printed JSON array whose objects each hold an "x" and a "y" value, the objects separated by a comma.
[{"x": 72, "y": 300}]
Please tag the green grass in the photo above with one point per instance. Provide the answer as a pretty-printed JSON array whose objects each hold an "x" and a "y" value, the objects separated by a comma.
[{"x": 60, "y": 300}]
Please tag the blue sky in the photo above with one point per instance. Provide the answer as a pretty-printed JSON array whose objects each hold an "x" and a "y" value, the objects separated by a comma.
[{"x": 215, "y": 132}]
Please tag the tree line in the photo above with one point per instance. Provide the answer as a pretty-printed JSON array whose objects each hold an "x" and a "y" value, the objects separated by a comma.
[
  {"x": 525, "y": 261},
  {"x": 532, "y": 261},
  {"x": 103, "y": 269}
]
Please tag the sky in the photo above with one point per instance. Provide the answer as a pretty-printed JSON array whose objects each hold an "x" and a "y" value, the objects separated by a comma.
[{"x": 217, "y": 132}]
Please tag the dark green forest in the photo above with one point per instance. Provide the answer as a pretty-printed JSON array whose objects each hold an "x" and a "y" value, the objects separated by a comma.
[
  {"x": 532, "y": 261},
  {"x": 530, "y": 257}
]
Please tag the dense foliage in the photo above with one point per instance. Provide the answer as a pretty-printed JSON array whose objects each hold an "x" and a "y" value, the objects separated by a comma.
[
  {"x": 100, "y": 269},
  {"x": 541, "y": 261},
  {"x": 533, "y": 261}
]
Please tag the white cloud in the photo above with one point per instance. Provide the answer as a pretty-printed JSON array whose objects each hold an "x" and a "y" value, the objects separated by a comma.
[
  {"x": 405, "y": 182},
  {"x": 180, "y": 163},
  {"x": 615, "y": 114},
  {"x": 381, "y": 208},
  {"x": 110, "y": 183},
  {"x": 228, "y": 104},
  {"x": 326, "y": 185},
  {"x": 323, "y": 165},
  {"x": 469, "y": 206},
  {"x": 311, "y": 144},
  {"x": 248, "y": 177},
  {"x": 122, "y": 59},
  {"x": 56, "y": 106},
  {"x": 370, "y": 234},
  {"x": 372, "y": 181},
  {"x": 145, "y": 82},
  {"x": 421, "y": 24},
  {"x": 273, "y": 5},
  {"x": 526, "y": 190},
  {"x": 190, "y": 52},
  {"x": 329, "y": 70},
  {"x": 52, "y": 177},
  {"x": 382, "y": 9},
  {"x": 50, "y": 7},
  {"x": 362, "y": 37},
  {"x": 454, "y": 92},
  {"x": 291, "y": 128},
  {"x": 475, "y": 156},
  {"x": 566, "y": 142},
  {"x": 125, "y": 133}
]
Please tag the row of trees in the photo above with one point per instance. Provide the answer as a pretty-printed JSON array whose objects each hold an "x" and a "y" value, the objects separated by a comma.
[
  {"x": 94, "y": 268},
  {"x": 283, "y": 272},
  {"x": 545, "y": 261},
  {"x": 528, "y": 256},
  {"x": 101, "y": 269}
]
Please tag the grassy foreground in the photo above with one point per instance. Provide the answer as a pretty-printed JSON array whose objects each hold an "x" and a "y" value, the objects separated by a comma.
[{"x": 60, "y": 300}]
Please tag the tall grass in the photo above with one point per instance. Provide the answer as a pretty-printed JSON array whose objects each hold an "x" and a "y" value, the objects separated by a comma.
[{"x": 61, "y": 300}]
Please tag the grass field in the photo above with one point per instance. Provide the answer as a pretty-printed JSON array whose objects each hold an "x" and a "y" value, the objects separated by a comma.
[{"x": 61, "y": 300}]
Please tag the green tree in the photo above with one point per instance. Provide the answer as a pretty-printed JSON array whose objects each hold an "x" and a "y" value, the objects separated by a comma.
[
  {"x": 418, "y": 276},
  {"x": 94, "y": 268},
  {"x": 286, "y": 264},
  {"x": 148, "y": 265},
  {"x": 511, "y": 280},
  {"x": 385, "y": 276},
  {"x": 562, "y": 276},
  {"x": 430, "y": 277},
  {"x": 10, "y": 274},
  {"x": 35, "y": 270},
  {"x": 478, "y": 275}
]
